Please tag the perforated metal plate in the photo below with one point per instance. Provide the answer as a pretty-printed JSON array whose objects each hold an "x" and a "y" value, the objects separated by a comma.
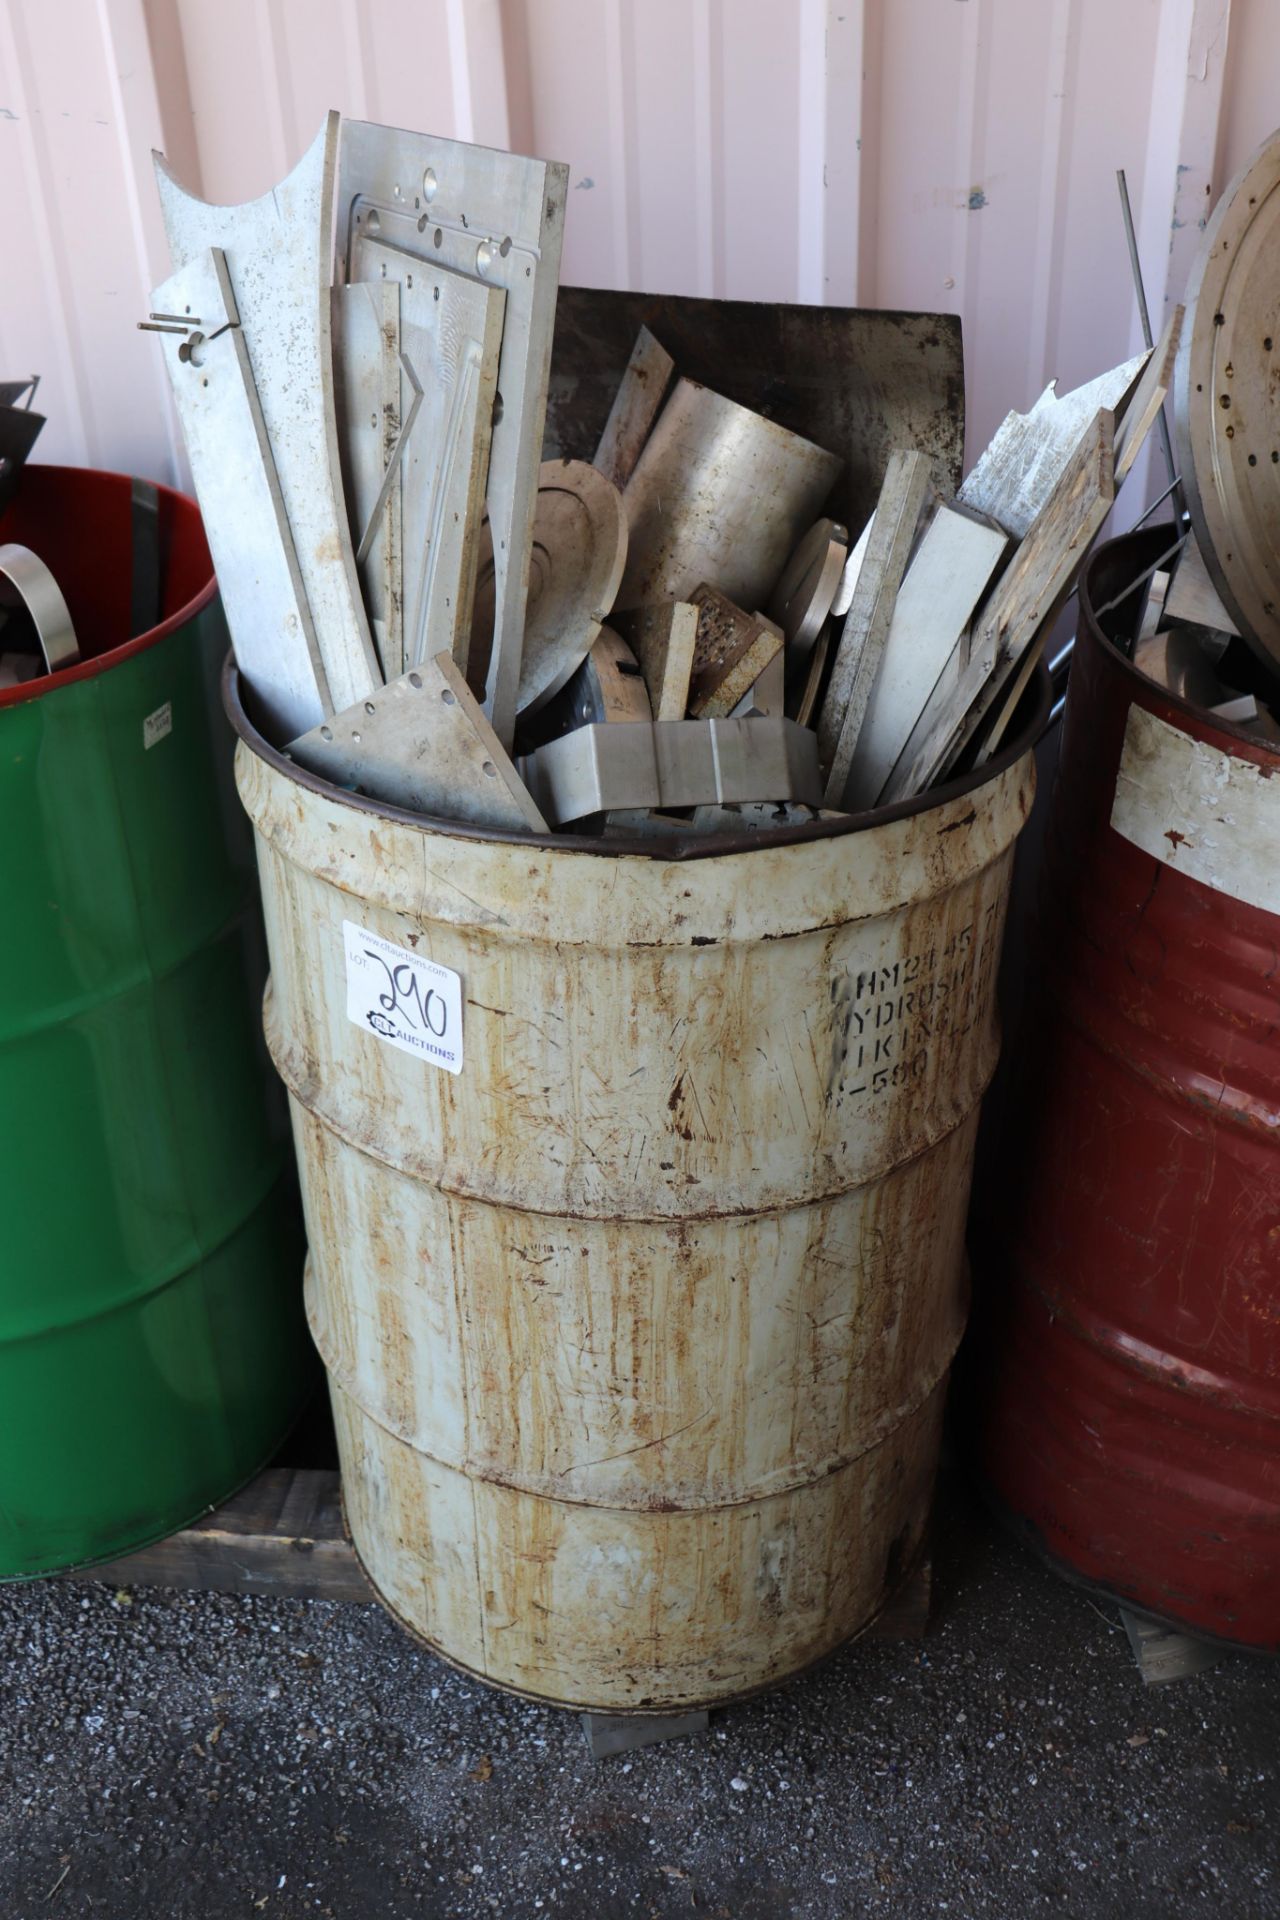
[{"x": 1227, "y": 400}]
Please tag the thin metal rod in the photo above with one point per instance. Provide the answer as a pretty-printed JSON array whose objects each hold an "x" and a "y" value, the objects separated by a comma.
[
  {"x": 1144, "y": 575},
  {"x": 1145, "y": 317},
  {"x": 159, "y": 326},
  {"x": 1157, "y": 502}
]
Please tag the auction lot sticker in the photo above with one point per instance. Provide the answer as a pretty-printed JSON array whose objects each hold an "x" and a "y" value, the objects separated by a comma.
[{"x": 403, "y": 998}]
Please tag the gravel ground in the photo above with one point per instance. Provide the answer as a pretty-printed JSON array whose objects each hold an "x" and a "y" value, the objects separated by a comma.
[{"x": 199, "y": 1755}]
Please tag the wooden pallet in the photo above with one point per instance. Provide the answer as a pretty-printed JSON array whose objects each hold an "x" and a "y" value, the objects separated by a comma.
[{"x": 283, "y": 1535}]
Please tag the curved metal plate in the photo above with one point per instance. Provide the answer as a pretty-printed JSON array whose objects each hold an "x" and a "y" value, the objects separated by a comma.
[
  {"x": 1225, "y": 399},
  {"x": 24, "y": 577},
  {"x": 579, "y": 552}
]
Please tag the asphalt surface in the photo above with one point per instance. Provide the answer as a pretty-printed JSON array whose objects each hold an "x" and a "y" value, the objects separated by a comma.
[{"x": 203, "y": 1755}]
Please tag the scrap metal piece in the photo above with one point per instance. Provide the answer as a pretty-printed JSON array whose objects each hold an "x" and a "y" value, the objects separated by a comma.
[
  {"x": 501, "y": 218},
  {"x": 866, "y": 628},
  {"x": 366, "y": 368},
  {"x": 767, "y": 693},
  {"x": 843, "y": 600},
  {"x": 422, "y": 742},
  {"x": 1015, "y": 621},
  {"x": 947, "y": 576},
  {"x": 815, "y": 673},
  {"x": 1147, "y": 405},
  {"x": 1015, "y": 477},
  {"x": 1163, "y": 1653},
  {"x": 1175, "y": 659},
  {"x": 722, "y": 494},
  {"x": 26, "y": 582},
  {"x": 608, "y": 686},
  {"x": 277, "y": 252},
  {"x": 806, "y": 591},
  {"x": 663, "y": 638},
  {"x": 636, "y": 406},
  {"x": 144, "y": 560},
  {"x": 1191, "y": 595},
  {"x": 857, "y": 381},
  {"x": 579, "y": 551},
  {"x": 607, "y": 1734},
  {"x": 732, "y": 649},
  {"x": 241, "y": 500},
  {"x": 19, "y": 430},
  {"x": 672, "y": 763},
  {"x": 450, "y": 343}
]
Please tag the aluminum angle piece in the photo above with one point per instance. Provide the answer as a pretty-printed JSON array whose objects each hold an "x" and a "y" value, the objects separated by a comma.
[
  {"x": 449, "y": 348},
  {"x": 422, "y": 742},
  {"x": 499, "y": 217},
  {"x": 235, "y": 475},
  {"x": 277, "y": 251},
  {"x": 673, "y": 763}
]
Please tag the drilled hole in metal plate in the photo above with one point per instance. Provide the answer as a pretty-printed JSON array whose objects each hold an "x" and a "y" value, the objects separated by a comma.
[
  {"x": 490, "y": 769},
  {"x": 505, "y": 248},
  {"x": 326, "y": 733},
  {"x": 1231, "y": 433},
  {"x": 368, "y": 706},
  {"x": 415, "y": 679},
  {"x": 450, "y": 699},
  {"x": 1253, "y": 459},
  {"x": 1266, "y": 344},
  {"x": 410, "y": 278},
  {"x": 422, "y": 224},
  {"x": 429, "y": 184},
  {"x": 355, "y": 735},
  {"x": 1224, "y": 399},
  {"x": 438, "y": 236}
]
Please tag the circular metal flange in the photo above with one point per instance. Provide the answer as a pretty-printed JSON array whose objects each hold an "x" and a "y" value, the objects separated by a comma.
[
  {"x": 807, "y": 587},
  {"x": 26, "y": 581},
  {"x": 1227, "y": 400},
  {"x": 579, "y": 552}
]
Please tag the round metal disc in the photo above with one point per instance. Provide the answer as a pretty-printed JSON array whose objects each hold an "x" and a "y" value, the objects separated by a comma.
[
  {"x": 579, "y": 552},
  {"x": 1227, "y": 400},
  {"x": 807, "y": 585}
]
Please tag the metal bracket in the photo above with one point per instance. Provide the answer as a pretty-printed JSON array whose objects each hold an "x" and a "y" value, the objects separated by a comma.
[
  {"x": 501, "y": 218},
  {"x": 422, "y": 742},
  {"x": 673, "y": 763}
]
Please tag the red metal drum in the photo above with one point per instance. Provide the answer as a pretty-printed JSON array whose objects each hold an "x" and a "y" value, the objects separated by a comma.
[{"x": 1124, "y": 1372}]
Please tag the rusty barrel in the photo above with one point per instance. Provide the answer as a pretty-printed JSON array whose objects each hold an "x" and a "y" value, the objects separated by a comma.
[
  {"x": 638, "y": 1294},
  {"x": 1126, "y": 1375}
]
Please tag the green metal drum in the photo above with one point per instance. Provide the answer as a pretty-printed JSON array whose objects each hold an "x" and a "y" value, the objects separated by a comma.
[{"x": 152, "y": 1345}]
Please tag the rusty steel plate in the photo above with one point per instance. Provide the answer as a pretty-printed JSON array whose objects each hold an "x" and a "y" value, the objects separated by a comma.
[
  {"x": 1225, "y": 400},
  {"x": 855, "y": 381}
]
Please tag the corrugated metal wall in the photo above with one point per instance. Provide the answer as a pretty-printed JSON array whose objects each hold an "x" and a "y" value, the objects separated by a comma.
[{"x": 956, "y": 155}]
